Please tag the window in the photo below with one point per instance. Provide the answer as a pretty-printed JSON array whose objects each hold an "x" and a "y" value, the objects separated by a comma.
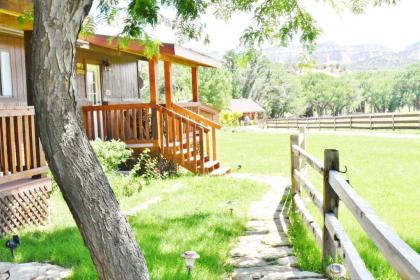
[{"x": 5, "y": 74}]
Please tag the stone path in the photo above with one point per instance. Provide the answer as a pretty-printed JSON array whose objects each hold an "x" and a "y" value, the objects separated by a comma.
[
  {"x": 265, "y": 251},
  {"x": 32, "y": 271},
  {"x": 133, "y": 211}
]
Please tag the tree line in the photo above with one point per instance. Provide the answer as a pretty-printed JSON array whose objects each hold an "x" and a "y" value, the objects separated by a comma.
[{"x": 298, "y": 90}]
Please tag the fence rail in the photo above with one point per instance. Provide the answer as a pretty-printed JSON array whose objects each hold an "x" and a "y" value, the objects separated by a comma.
[
  {"x": 331, "y": 237},
  {"x": 365, "y": 121}
]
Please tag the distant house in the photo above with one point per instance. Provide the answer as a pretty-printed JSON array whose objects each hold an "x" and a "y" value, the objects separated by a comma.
[{"x": 248, "y": 107}]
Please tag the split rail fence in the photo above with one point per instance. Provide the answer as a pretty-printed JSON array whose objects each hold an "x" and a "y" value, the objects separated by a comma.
[
  {"x": 331, "y": 236},
  {"x": 365, "y": 121}
]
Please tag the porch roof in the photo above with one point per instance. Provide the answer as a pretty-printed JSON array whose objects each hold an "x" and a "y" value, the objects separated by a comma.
[{"x": 167, "y": 51}]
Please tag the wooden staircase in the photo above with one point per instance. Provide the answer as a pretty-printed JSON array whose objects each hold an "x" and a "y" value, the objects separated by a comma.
[
  {"x": 179, "y": 134},
  {"x": 189, "y": 140}
]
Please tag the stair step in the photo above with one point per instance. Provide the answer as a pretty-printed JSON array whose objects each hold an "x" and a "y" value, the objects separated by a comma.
[
  {"x": 213, "y": 164},
  {"x": 222, "y": 170}
]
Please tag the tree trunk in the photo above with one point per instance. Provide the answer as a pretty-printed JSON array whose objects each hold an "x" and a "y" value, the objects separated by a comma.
[{"x": 84, "y": 186}]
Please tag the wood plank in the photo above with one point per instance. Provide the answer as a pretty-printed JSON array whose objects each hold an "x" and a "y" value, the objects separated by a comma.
[
  {"x": 141, "y": 127},
  {"x": 194, "y": 78},
  {"x": 195, "y": 148},
  {"x": 147, "y": 123},
  {"x": 4, "y": 148},
  {"x": 168, "y": 83},
  {"x": 11, "y": 144},
  {"x": 19, "y": 143},
  {"x": 330, "y": 203},
  {"x": 309, "y": 159},
  {"x": 201, "y": 147},
  {"x": 308, "y": 219},
  {"x": 402, "y": 257},
  {"x": 310, "y": 189},
  {"x": 181, "y": 140},
  {"x": 33, "y": 139},
  {"x": 135, "y": 136},
  {"x": 24, "y": 174},
  {"x": 352, "y": 260},
  {"x": 27, "y": 145},
  {"x": 214, "y": 143}
]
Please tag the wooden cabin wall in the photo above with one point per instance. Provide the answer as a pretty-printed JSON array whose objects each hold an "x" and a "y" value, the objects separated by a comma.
[
  {"x": 118, "y": 85},
  {"x": 14, "y": 45}
]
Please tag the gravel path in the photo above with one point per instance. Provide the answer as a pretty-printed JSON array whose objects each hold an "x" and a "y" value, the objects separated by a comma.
[{"x": 265, "y": 251}]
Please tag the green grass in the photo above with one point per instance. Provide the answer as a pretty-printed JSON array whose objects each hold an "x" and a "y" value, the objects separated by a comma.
[
  {"x": 193, "y": 218},
  {"x": 383, "y": 171}
]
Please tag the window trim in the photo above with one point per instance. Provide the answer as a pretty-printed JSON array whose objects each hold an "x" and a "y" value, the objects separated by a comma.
[{"x": 1, "y": 78}]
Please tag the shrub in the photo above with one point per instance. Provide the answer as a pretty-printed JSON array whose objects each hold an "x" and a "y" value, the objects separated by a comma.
[
  {"x": 151, "y": 166},
  {"x": 124, "y": 185},
  {"x": 229, "y": 118},
  {"x": 111, "y": 154}
]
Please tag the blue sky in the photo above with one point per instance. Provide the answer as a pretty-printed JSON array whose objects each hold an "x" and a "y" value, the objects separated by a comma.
[{"x": 394, "y": 27}]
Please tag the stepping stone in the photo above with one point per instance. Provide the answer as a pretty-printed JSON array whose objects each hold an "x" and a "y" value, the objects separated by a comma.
[
  {"x": 275, "y": 240},
  {"x": 290, "y": 261},
  {"x": 33, "y": 271},
  {"x": 242, "y": 262},
  {"x": 273, "y": 272},
  {"x": 271, "y": 254}
]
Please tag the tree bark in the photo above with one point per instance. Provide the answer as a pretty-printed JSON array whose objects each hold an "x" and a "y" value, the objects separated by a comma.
[{"x": 85, "y": 188}]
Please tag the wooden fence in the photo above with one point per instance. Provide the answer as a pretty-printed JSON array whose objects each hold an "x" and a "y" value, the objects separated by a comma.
[
  {"x": 331, "y": 236},
  {"x": 365, "y": 121}
]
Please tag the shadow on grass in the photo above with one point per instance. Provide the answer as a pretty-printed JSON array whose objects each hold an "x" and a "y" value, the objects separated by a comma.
[
  {"x": 63, "y": 247},
  {"x": 163, "y": 240}
]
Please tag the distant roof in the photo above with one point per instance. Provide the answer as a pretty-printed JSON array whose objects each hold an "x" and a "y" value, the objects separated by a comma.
[
  {"x": 168, "y": 51},
  {"x": 244, "y": 105}
]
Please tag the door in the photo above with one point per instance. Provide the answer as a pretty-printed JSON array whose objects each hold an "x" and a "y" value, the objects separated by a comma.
[{"x": 94, "y": 93}]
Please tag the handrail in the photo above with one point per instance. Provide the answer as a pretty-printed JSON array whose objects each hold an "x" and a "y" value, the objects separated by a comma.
[
  {"x": 311, "y": 160},
  {"x": 161, "y": 108},
  {"x": 197, "y": 117},
  {"x": 399, "y": 254},
  {"x": 119, "y": 106},
  {"x": 402, "y": 257}
]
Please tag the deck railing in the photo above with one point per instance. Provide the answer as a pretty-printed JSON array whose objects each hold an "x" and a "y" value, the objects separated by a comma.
[
  {"x": 332, "y": 237},
  {"x": 212, "y": 125},
  {"x": 362, "y": 121},
  {"x": 179, "y": 134},
  {"x": 130, "y": 123},
  {"x": 21, "y": 153}
]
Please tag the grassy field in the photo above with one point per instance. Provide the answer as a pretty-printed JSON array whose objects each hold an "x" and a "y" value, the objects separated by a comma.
[
  {"x": 384, "y": 171},
  {"x": 195, "y": 217}
]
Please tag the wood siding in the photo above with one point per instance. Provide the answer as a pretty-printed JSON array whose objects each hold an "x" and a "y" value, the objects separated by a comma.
[
  {"x": 121, "y": 82},
  {"x": 14, "y": 45}
]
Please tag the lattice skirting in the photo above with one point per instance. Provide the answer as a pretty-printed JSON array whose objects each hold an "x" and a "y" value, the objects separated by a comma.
[{"x": 23, "y": 203}]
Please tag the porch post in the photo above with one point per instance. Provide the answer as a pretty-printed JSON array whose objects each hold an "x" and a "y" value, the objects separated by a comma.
[
  {"x": 194, "y": 76},
  {"x": 154, "y": 100},
  {"x": 27, "y": 39},
  {"x": 168, "y": 83}
]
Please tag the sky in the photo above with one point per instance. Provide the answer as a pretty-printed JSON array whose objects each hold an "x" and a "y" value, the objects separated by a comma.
[{"x": 394, "y": 27}]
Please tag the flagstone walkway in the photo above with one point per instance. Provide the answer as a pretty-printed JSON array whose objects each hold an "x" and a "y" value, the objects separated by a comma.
[{"x": 265, "y": 251}]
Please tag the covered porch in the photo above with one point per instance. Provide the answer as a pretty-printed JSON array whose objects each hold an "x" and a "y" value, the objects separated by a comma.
[{"x": 178, "y": 133}]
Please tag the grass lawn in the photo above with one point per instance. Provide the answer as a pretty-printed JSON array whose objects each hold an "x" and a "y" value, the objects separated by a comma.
[
  {"x": 193, "y": 218},
  {"x": 384, "y": 171}
]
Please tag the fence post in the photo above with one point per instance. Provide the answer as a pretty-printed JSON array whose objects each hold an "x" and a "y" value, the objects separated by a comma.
[
  {"x": 393, "y": 121},
  {"x": 302, "y": 145},
  {"x": 351, "y": 122},
  {"x": 294, "y": 163},
  {"x": 330, "y": 203},
  {"x": 370, "y": 121}
]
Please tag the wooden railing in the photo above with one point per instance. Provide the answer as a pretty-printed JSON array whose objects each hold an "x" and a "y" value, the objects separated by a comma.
[
  {"x": 183, "y": 137},
  {"x": 332, "y": 238},
  {"x": 365, "y": 121},
  {"x": 184, "y": 140},
  {"x": 202, "y": 109},
  {"x": 130, "y": 123},
  {"x": 21, "y": 153},
  {"x": 212, "y": 125}
]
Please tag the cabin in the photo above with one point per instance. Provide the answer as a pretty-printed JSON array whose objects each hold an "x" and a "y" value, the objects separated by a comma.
[
  {"x": 248, "y": 107},
  {"x": 108, "y": 88}
]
